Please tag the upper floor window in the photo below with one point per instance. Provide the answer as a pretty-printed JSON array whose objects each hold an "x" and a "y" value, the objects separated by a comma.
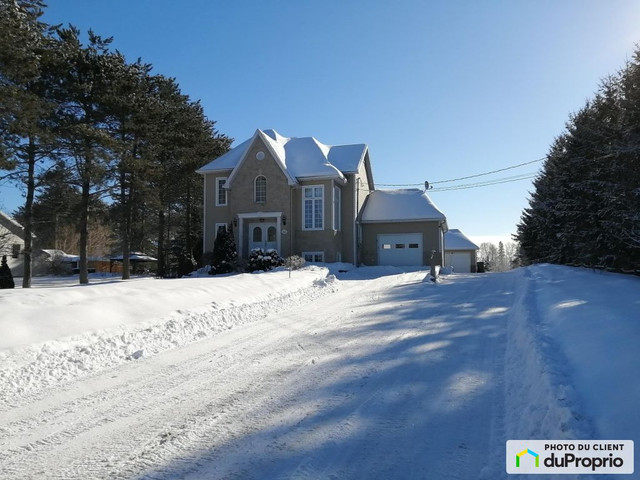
[
  {"x": 260, "y": 190},
  {"x": 312, "y": 207},
  {"x": 337, "y": 208},
  {"x": 15, "y": 251},
  {"x": 221, "y": 192}
]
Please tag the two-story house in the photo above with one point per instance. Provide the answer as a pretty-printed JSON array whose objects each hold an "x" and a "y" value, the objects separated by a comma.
[{"x": 299, "y": 196}]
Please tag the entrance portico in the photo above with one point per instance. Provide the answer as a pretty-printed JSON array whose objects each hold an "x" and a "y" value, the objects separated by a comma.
[{"x": 259, "y": 230}]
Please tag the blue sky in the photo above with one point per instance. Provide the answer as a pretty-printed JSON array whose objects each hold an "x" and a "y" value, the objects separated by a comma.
[{"x": 438, "y": 90}]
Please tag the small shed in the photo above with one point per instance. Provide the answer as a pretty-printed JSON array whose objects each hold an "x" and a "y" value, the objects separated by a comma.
[{"x": 460, "y": 253}]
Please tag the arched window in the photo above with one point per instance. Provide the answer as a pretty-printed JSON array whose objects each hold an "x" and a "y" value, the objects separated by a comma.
[
  {"x": 260, "y": 190},
  {"x": 271, "y": 234}
]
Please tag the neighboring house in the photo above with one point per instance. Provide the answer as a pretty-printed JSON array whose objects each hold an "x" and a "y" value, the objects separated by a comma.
[
  {"x": 460, "y": 252},
  {"x": 12, "y": 244},
  {"x": 58, "y": 261},
  {"x": 299, "y": 196},
  {"x": 139, "y": 262}
]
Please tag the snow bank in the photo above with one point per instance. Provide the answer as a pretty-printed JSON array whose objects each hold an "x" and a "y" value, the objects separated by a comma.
[
  {"x": 539, "y": 400},
  {"x": 594, "y": 319},
  {"x": 571, "y": 359},
  {"x": 57, "y": 333}
]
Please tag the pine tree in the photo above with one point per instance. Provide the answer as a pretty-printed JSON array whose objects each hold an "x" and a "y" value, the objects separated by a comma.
[
  {"x": 27, "y": 54},
  {"x": 83, "y": 85}
]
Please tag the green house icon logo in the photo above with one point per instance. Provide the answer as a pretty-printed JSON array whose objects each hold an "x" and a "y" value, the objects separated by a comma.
[{"x": 530, "y": 452}]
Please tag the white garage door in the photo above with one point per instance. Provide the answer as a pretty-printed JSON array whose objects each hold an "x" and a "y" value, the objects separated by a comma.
[
  {"x": 460, "y": 261},
  {"x": 400, "y": 249}
]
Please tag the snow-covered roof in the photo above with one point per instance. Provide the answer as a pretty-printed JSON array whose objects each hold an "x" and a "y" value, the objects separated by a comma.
[
  {"x": 63, "y": 256},
  {"x": 407, "y": 205},
  {"x": 136, "y": 257},
  {"x": 454, "y": 239},
  {"x": 299, "y": 158},
  {"x": 11, "y": 225}
]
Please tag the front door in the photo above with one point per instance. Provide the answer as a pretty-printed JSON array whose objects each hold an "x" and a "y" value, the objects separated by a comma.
[{"x": 263, "y": 235}]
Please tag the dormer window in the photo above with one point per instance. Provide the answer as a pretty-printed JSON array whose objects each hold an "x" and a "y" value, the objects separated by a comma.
[{"x": 260, "y": 189}]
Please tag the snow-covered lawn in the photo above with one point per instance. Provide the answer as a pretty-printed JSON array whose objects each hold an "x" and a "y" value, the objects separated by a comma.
[{"x": 373, "y": 374}]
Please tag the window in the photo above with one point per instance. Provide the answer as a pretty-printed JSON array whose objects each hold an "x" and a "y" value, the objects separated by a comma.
[
  {"x": 386, "y": 246},
  {"x": 313, "y": 257},
  {"x": 271, "y": 234},
  {"x": 337, "y": 207},
  {"x": 313, "y": 200},
  {"x": 220, "y": 227},
  {"x": 15, "y": 251},
  {"x": 399, "y": 245},
  {"x": 221, "y": 192},
  {"x": 413, "y": 245},
  {"x": 260, "y": 189}
]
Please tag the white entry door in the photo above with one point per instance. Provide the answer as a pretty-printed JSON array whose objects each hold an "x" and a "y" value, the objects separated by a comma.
[{"x": 263, "y": 235}]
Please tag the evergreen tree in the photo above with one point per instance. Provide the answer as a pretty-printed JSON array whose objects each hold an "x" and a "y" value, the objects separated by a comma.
[
  {"x": 125, "y": 104},
  {"x": 84, "y": 82},
  {"x": 225, "y": 253},
  {"x": 6, "y": 278},
  {"x": 27, "y": 54},
  {"x": 584, "y": 209}
]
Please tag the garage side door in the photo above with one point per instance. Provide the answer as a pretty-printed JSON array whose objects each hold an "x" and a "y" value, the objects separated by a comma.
[
  {"x": 400, "y": 249},
  {"x": 460, "y": 261}
]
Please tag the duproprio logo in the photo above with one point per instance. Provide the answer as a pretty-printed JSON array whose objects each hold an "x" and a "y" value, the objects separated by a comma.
[
  {"x": 541, "y": 457},
  {"x": 530, "y": 452}
]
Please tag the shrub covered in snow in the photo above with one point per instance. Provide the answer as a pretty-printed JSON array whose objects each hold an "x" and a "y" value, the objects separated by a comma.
[
  {"x": 260, "y": 259},
  {"x": 294, "y": 262}
]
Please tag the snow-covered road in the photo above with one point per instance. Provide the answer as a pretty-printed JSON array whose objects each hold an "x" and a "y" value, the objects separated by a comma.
[
  {"x": 378, "y": 374},
  {"x": 385, "y": 378}
]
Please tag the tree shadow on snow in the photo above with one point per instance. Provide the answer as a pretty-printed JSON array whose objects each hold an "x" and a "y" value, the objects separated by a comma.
[{"x": 413, "y": 390}]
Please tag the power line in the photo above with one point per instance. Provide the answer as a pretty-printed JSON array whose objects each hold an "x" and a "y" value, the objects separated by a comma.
[
  {"x": 463, "y": 178},
  {"x": 465, "y": 186},
  {"x": 491, "y": 172}
]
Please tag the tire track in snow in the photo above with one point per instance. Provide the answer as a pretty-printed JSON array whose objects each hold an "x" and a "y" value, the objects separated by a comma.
[
  {"x": 387, "y": 388},
  {"x": 51, "y": 366}
]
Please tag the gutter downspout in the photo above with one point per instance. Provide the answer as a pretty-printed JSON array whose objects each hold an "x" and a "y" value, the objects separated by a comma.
[
  {"x": 444, "y": 256},
  {"x": 204, "y": 215},
  {"x": 356, "y": 222}
]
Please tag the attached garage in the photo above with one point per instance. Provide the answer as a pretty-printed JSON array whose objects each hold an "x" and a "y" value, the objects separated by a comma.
[
  {"x": 400, "y": 249},
  {"x": 401, "y": 228}
]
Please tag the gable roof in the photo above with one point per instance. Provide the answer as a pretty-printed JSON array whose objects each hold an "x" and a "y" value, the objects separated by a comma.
[
  {"x": 454, "y": 239},
  {"x": 299, "y": 158},
  {"x": 407, "y": 205}
]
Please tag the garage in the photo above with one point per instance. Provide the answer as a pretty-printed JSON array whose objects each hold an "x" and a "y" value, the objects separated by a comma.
[
  {"x": 460, "y": 261},
  {"x": 460, "y": 252},
  {"x": 400, "y": 249}
]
